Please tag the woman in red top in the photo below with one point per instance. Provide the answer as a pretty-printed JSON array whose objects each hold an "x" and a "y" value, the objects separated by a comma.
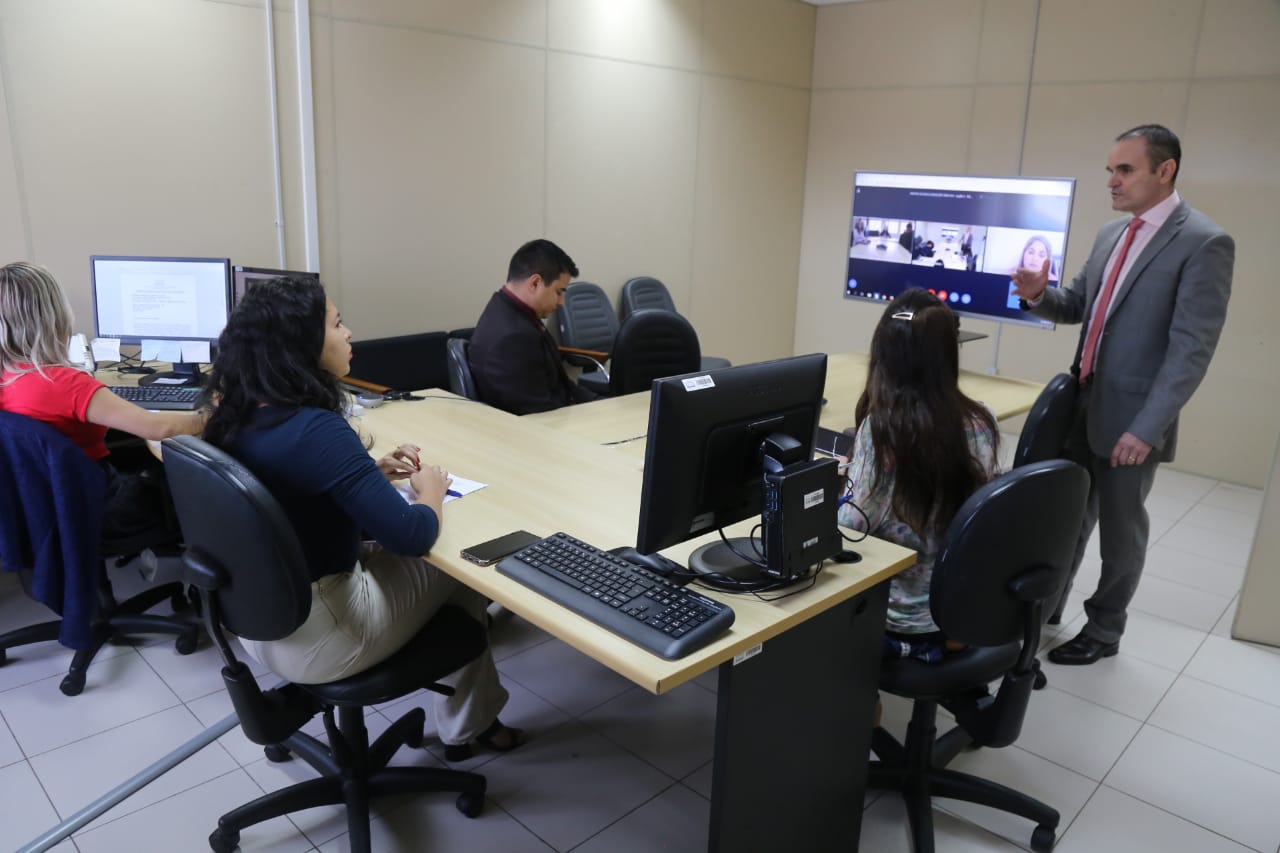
[{"x": 38, "y": 381}]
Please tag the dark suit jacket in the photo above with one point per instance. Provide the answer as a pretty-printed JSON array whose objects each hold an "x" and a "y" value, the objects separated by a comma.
[
  {"x": 516, "y": 364},
  {"x": 51, "y": 498},
  {"x": 1156, "y": 345}
]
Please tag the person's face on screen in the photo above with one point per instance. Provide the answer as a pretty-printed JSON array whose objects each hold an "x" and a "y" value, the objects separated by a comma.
[
  {"x": 1136, "y": 184},
  {"x": 1034, "y": 256},
  {"x": 335, "y": 357},
  {"x": 548, "y": 296}
]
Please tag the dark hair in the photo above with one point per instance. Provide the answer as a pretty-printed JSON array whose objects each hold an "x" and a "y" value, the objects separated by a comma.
[
  {"x": 1162, "y": 144},
  {"x": 919, "y": 416},
  {"x": 541, "y": 257},
  {"x": 269, "y": 353}
]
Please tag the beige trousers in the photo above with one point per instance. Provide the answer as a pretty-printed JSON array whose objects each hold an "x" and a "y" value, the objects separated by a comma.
[{"x": 362, "y": 617}]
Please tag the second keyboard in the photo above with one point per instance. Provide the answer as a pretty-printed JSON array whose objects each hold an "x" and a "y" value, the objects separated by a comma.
[
  {"x": 163, "y": 397},
  {"x": 629, "y": 600}
]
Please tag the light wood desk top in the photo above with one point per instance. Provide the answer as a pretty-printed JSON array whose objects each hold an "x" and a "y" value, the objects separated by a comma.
[
  {"x": 547, "y": 480},
  {"x": 623, "y": 421}
]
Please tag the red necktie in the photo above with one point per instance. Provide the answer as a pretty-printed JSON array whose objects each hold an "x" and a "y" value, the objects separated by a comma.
[{"x": 1104, "y": 303}]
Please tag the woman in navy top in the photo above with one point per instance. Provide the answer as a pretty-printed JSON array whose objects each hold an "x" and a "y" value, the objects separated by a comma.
[{"x": 280, "y": 412}]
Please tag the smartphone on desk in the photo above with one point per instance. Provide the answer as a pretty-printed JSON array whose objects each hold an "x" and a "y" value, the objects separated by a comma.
[
  {"x": 831, "y": 443},
  {"x": 488, "y": 553}
]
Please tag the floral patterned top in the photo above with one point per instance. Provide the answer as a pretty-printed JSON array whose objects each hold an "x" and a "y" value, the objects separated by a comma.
[{"x": 909, "y": 589}]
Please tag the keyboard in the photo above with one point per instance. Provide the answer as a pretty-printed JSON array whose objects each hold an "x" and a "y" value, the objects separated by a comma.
[
  {"x": 633, "y": 602},
  {"x": 175, "y": 397}
]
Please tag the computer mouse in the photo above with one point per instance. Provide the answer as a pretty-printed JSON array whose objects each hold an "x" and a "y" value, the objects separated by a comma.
[{"x": 655, "y": 563}]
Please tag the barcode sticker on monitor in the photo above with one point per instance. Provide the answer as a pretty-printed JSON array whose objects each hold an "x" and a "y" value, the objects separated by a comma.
[{"x": 698, "y": 383}]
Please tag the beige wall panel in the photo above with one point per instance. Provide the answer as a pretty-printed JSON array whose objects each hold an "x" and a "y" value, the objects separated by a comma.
[
  {"x": 847, "y": 133},
  {"x": 751, "y": 165},
  {"x": 1239, "y": 37},
  {"x": 622, "y": 140},
  {"x": 1229, "y": 154},
  {"x": 901, "y": 43},
  {"x": 658, "y": 33},
  {"x": 1116, "y": 39},
  {"x": 133, "y": 142},
  {"x": 996, "y": 132},
  {"x": 515, "y": 21},
  {"x": 1008, "y": 28},
  {"x": 439, "y": 146},
  {"x": 13, "y": 242},
  {"x": 769, "y": 40}
]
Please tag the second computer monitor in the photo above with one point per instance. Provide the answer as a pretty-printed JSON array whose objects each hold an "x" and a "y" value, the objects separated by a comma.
[
  {"x": 180, "y": 303},
  {"x": 242, "y": 278},
  {"x": 702, "y": 466}
]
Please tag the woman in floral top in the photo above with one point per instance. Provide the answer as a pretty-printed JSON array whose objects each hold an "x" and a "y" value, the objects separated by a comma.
[{"x": 922, "y": 448}]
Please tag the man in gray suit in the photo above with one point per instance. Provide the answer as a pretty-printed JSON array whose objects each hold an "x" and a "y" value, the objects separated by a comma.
[{"x": 1151, "y": 299}]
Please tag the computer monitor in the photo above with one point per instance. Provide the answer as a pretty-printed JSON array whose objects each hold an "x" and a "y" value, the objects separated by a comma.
[
  {"x": 242, "y": 278},
  {"x": 967, "y": 235},
  {"x": 182, "y": 303},
  {"x": 702, "y": 463}
]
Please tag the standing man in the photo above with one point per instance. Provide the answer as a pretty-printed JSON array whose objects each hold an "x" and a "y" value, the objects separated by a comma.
[
  {"x": 1151, "y": 301},
  {"x": 514, "y": 361}
]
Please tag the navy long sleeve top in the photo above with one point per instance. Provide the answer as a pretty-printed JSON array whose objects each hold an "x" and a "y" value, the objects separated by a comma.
[{"x": 330, "y": 488}]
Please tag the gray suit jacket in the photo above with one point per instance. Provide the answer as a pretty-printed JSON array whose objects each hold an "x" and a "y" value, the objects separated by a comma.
[{"x": 1156, "y": 345}]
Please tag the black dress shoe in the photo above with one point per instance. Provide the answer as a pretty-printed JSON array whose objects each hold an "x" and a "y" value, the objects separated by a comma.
[{"x": 1082, "y": 650}]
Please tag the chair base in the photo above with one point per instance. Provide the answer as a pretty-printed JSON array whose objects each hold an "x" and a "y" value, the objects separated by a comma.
[
  {"x": 351, "y": 775},
  {"x": 126, "y": 619},
  {"x": 918, "y": 771}
]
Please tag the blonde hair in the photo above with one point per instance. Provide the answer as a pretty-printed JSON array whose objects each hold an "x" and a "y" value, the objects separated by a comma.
[{"x": 35, "y": 320}]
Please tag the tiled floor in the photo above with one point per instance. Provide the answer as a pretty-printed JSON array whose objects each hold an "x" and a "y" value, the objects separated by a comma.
[{"x": 1170, "y": 746}]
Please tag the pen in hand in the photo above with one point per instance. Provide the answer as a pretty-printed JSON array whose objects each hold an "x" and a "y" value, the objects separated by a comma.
[{"x": 453, "y": 493}]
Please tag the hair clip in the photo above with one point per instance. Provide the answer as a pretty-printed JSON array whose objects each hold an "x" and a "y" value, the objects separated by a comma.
[{"x": 903, "y": 315}]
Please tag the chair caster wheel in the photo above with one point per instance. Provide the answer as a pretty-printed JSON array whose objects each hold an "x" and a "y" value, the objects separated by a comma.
[
  {"x": 1042, "y": 839},
  {"x": 186, "y": 644},
  {"x": 1040, "y": 682},
  {"x": 224, "y": 841},
  {"x": 414, "y": 739},
  {"x": 73, "y": 684},
  {"x": 277, "y": 752},
  {"x": 470, "y": 804}
]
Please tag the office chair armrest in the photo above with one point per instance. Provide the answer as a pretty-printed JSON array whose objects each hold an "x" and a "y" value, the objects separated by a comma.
[
  {"x": 593, "y": 354},
  {"x": 365, "y": 385},
  {"x": 587, "y": 359}
]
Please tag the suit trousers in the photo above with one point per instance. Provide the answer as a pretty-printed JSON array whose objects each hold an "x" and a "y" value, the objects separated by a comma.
[{"x": 1117, "y": 506}]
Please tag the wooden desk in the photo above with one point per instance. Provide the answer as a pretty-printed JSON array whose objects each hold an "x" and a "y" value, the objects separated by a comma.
[
  {"x": 626, "y": 419},
  {"x": 794, "y": 714}
]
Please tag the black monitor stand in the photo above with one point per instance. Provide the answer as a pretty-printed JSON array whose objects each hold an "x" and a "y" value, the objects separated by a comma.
[{"x": 186, "y": 371}]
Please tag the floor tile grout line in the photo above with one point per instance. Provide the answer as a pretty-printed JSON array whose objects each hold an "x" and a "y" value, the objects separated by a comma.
[{"x": 1183, "y": 818}]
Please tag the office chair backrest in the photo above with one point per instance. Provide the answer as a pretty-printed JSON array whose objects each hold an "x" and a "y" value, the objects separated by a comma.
[
  {"x": 239, "y": 539},
  {"x": 643, "y": 293},
  {"x": 460, "y": 379},
  {"x": 404, "y": 362},
  {"x": 1048, "y": 422},
  {"x": 586, "y": 319},
  {"x": 651, "y": 345},
  {"x": 1011, "y": 542}
]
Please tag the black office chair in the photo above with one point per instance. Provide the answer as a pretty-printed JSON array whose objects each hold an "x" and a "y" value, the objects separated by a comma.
[
  {"x": 256, "y": 585},
  {"x": 651, "y": 345},
  {"x": 51, "y": 532},
  {"x": 587, "y": 327},
  {"x": 401, "y": 363},
  {"x": 989, "y": 588},
  {"x": 460, "y": 379},
  {"x": 1045, "y": 431},
  {"x": 645, "y": 293}
]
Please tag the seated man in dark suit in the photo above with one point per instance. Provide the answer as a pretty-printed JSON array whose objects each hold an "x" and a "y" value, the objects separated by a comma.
[{"x": 514, "y": 360}]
